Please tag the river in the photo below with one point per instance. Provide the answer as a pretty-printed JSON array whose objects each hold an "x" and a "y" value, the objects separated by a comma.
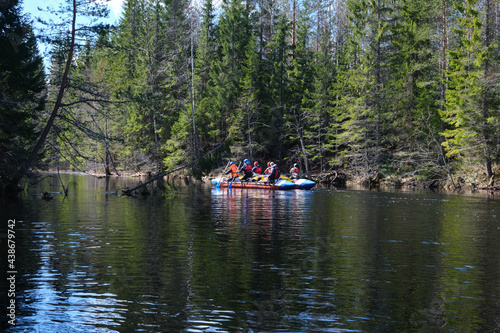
[{"x": 201, "y": 259}]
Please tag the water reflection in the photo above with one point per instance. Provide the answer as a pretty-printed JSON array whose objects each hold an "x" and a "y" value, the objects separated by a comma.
[
  {"x": 261, "y": 214},
  {"x": 204, "y": 259}
]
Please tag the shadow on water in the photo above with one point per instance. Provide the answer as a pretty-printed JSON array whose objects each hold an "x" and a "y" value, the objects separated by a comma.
[{"x": 202, "y": 259}]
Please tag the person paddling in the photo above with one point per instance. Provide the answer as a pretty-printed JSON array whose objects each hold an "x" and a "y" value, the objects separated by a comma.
[
  {"x": 247, "y": 170},
  {"x": 233, "y": 169}
]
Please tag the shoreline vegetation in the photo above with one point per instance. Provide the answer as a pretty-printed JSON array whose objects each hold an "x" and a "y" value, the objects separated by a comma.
[{"x": 337, "y": 179}]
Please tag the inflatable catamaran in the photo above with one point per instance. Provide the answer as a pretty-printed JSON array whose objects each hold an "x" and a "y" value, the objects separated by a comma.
[{"x": 281, "y": 184}]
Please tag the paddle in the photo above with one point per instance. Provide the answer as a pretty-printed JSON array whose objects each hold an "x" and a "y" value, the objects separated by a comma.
[
  {"x": 232, "y": 180},
  {"x": 220, "y": 178}
]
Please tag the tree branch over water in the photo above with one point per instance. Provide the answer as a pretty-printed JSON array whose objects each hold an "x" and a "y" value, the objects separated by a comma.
[{"x": 69, "y": 36}]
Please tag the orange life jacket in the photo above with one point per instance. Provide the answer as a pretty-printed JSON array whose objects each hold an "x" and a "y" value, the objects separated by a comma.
[{"x": 234, "y": 171}]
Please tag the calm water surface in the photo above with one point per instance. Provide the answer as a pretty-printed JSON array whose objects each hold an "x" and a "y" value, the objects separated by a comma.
[{"x": 200, "y": 259}]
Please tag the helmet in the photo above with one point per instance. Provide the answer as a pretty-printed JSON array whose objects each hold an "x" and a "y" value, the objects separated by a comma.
[
  {"x": 268, "y": 164},
  {"x": 295, "y": 165},
  {"x": 231, "y": 163},
  {"x": 255, "y": 163},
  {"x": 246, "y": 161}
]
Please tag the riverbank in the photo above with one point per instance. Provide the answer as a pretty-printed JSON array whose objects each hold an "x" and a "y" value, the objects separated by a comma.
[{"x": 473, "y": 181}]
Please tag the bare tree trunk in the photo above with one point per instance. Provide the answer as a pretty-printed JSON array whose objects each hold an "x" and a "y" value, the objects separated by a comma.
[
  {"x": 108, "y": 154},
  {"x": 484, "y": 107},
  {"x": 195, "y": 135},
  {"x": 443, "y": 78},
  {"x": 152, "y": 83},
  {"x": 378, "y": 158},
  {"x": 293, "y": 21},
  {"x": 249, "y": 133},
  {"x": 28, "y": 165}
]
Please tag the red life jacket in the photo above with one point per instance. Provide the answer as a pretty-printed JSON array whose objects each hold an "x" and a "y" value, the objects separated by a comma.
[
  {"x": 248, "y": 168},
  {"x": 258, "y": 170},
  {"x": 295, "y": 170},
  {"x": 276, "y": 172}
]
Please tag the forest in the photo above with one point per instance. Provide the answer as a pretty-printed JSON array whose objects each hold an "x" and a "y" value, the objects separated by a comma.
[{"x": 400, "y": 90}]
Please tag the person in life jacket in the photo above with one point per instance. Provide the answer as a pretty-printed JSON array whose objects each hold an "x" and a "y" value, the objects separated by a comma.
[
  {"x": 233, "y": 169},
  {"x": 247, "y": 170},
  {"x": 274, "y": 174},
  {"x": 268, "y": 169},
  {"x": 257, "y": 169},
  {"x": 295, "y": 172}
]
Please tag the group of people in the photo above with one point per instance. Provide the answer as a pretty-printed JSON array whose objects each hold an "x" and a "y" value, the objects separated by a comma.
[{"x": 272, "y": 172}]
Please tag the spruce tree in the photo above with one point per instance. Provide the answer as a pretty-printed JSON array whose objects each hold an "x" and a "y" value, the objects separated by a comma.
[
  {"x": 227, "y": 71},
  {"x": 321, "y": 130},
  {"x": 299, "y": 115},
  {"x": 360, "y": 103},
  {"x": 279, "y": 84},
  {"x": 205, "y": 59},
  {"x": 22, "y": 89},
  {"x": 247, "y": 116},
  {"x": 414, "y": 86},
  {"x": 472, "y": 99}
]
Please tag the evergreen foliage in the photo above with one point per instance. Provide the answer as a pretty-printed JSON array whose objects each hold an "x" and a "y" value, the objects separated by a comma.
[
  {"x": 22, "y": 88},
  {"x": 355, "y": 85},
  {"x": 473, "y": 101}
]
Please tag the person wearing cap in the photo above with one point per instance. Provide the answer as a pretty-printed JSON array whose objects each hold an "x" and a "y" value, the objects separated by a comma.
[
  {"x": 233, "y": 169},
  {"x": 257, "y": 169},
  {"x": 247, "y": 170},
  {"x": 295, "y": 172}
]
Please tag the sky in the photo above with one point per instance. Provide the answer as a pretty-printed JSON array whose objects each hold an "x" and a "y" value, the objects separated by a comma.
[{"x": 30, "y": 7}]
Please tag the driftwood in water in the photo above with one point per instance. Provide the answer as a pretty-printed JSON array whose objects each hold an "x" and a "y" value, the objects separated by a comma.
[{"x": 163, "y": 174}]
